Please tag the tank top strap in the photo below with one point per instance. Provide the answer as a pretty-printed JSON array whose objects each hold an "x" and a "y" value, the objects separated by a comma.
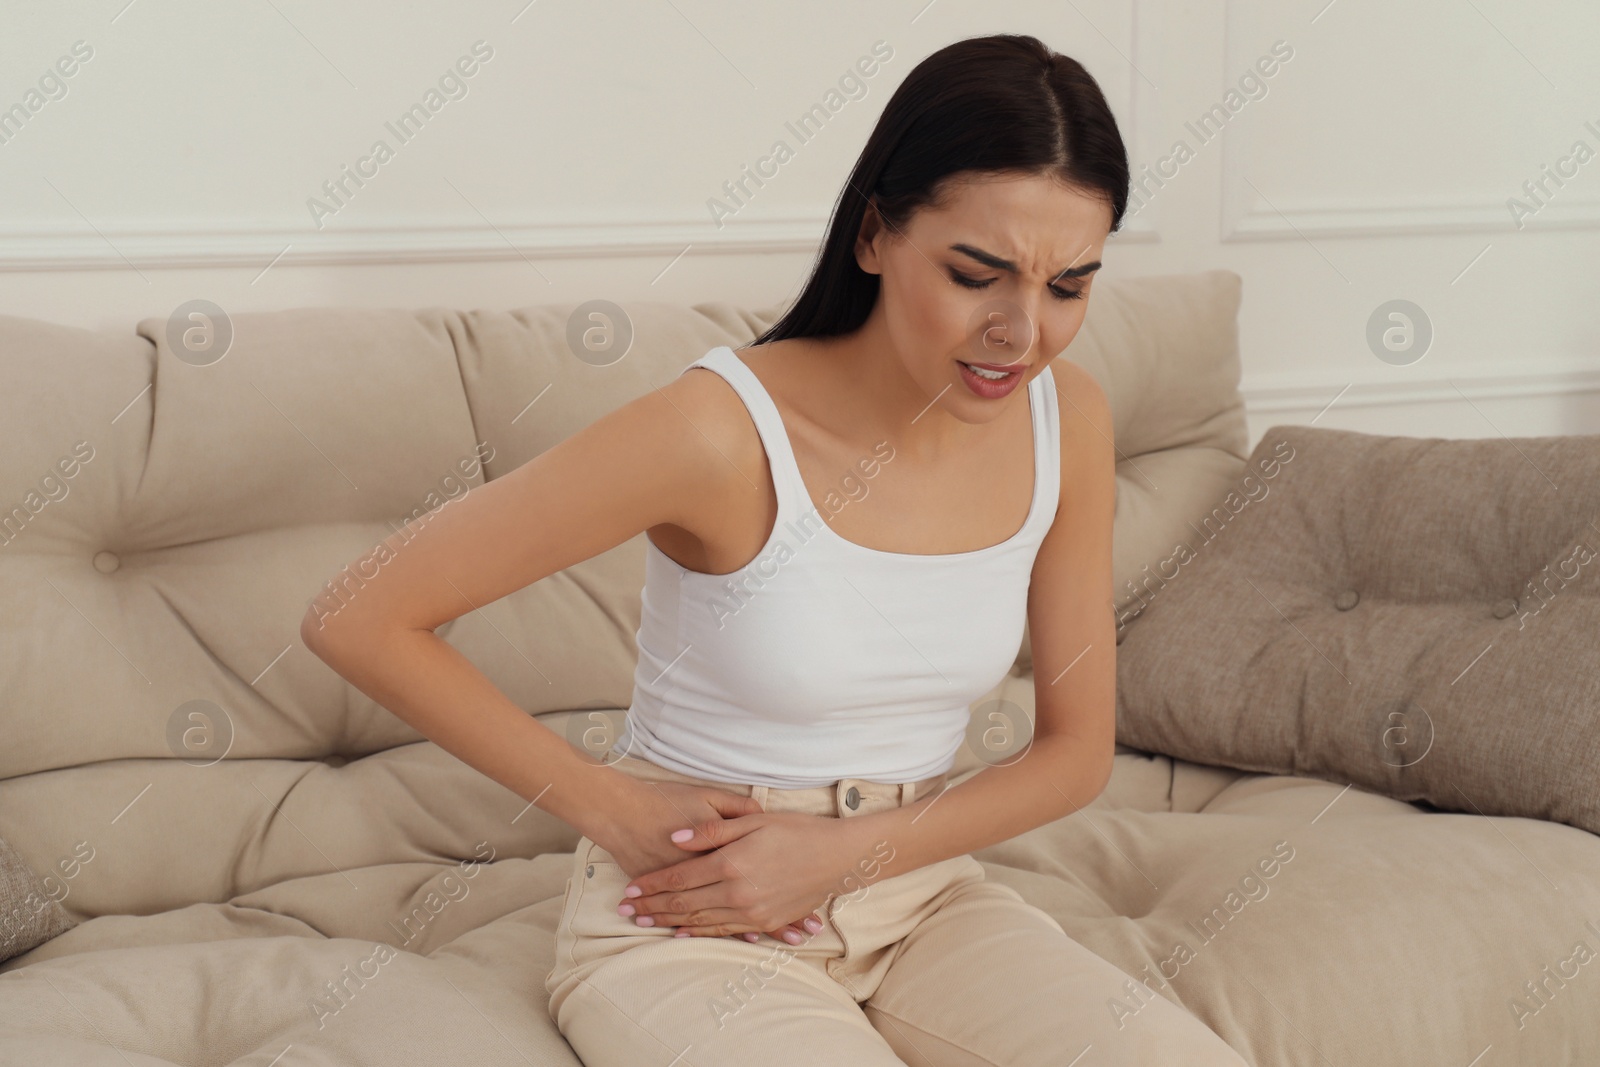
[
  {"x": 793, "y": 498},
  {"x": 1047, "y": 439}
]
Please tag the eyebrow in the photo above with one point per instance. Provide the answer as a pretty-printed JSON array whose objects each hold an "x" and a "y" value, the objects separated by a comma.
[{"x": 991, "y": 260}]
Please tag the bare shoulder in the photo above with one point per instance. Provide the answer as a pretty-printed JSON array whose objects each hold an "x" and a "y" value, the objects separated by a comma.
[
  {"x": 731, "y": 429},
  {"x": 726, "y": 492},
  {"x": 1083, "y": 403},
  {"x": 714, "y": 425},
  {"x": 1088, "y": 454}
]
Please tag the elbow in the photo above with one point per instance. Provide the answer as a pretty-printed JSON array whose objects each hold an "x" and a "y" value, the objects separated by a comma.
[
  {"x": 335, "y": 635},
  {"x": 1089, "y": 772},
  {"x": 314, "y": 632},
  {"x": 1105, "y": 780},
  {"x": 1106, "y": 765},
  {"x": 318, "y": 631}
]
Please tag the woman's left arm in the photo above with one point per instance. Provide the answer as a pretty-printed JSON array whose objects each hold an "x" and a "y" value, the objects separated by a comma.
[{"x": 1066, "y": 766}]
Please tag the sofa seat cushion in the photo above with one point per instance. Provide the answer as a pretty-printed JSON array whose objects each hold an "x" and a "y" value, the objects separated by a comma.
[{"x": 1277, "y": 909}]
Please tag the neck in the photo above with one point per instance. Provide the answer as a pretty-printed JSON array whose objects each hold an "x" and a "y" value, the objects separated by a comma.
[{"x": 878, "y": 393}]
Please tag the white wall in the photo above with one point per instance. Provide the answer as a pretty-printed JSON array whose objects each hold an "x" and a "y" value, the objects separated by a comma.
[{"x": 1375, "y": 163}]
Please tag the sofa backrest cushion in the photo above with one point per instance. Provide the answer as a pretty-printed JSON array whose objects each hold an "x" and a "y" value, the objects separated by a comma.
[
  {"x": 167, "y": 521},
  {"x": 206, "y": 505}
]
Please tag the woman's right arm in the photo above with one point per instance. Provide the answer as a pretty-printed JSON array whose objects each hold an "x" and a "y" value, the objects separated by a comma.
[{"x": 661, "y": 458}]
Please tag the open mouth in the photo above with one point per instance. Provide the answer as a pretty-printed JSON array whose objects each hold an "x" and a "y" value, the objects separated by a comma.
[
  {"x": 991, "y": 382},
  {"x": 985, "y": 372}
]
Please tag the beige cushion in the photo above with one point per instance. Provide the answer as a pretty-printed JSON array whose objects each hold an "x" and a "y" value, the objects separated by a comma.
[
  {"x": 1420, "y": 617},
  {"x": 30, "y": 912}
]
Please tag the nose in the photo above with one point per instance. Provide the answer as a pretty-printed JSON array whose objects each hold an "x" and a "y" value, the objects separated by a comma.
[{"x": 1008, "y": 331}]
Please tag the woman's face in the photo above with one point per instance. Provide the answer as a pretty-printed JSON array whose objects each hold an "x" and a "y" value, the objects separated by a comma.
[{"x": 998, "y": 277}]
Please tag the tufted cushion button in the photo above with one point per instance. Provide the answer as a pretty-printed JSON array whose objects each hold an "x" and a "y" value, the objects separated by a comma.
[
  {"x": 1505, "y": 608},
  {"x": 852, "y": 798},
  {"x": 106, "y": 562},
  {"x": 1346, "y": 600}
]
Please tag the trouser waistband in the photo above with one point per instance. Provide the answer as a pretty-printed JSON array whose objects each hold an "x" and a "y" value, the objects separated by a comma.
[{"x": 843, "y": 798}]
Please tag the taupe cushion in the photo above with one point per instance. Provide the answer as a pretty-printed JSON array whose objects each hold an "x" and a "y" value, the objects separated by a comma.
[
  {"x": 1417, "y": 616},
  {"x": 30, "y": 911}
]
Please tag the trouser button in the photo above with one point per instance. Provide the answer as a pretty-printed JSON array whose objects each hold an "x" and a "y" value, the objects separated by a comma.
[
  {"x": 588, "y": 872},
  {"x": 852, "y": 798}
]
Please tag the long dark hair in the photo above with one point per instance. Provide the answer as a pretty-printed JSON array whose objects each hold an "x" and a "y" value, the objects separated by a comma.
[{"x": 1005, "y": 102}]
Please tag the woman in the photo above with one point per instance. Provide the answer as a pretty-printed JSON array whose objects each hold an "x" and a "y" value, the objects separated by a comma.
[{"x": 780, "y": 873}]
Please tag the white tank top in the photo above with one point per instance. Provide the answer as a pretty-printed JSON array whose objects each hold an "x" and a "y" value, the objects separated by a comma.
[{"x": 823, "y": 659}]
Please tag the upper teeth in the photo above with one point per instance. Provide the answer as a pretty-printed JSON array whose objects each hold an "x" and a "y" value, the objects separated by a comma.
[{"x": 984, "y": 373}]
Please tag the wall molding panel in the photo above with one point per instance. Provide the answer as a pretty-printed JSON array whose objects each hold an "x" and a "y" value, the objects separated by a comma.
[
  {"x": 1270, "y": 394},
  {"x": 211, "y": 246},
  {"x": 1387, "y": 220}
]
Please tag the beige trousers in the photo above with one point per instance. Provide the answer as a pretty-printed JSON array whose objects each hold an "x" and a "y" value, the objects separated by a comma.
[{"x": 934, "y": 967}]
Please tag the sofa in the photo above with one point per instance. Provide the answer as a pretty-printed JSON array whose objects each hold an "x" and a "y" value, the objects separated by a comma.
[{"x": 239, "y": 858}]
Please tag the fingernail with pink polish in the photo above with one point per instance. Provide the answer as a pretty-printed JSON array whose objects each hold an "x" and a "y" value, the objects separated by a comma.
[
  {"x": 645, "y": 920},
  {"x": 791, "y": 937},
  {"x": 680, "y": 836},
  {"x": 813, "y": 925},
  {"x": 624, "y": 909}
]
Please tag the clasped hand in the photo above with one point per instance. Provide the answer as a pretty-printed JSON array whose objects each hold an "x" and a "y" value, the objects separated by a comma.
[{"x": 757, "y": 871}]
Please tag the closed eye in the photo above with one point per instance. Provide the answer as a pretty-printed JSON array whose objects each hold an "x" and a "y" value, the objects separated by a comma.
[{"x": 984, "y": 283}]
